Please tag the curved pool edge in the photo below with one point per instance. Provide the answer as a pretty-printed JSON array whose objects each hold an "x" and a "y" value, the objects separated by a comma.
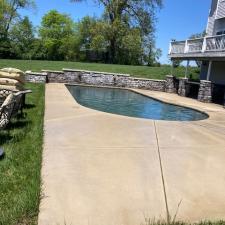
[
  {"x": 176, "y": 104},
  {"x": 149, "y": 95}
]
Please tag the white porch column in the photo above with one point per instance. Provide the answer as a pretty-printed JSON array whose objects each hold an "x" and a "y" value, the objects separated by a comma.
[
  {"x": 187, "y": 67},
  {"x": 170, "y": 48},
  {"x": 209, "y": 70}
]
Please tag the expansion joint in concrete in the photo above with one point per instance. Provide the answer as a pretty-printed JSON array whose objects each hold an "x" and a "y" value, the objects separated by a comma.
[{"x": 162, "y": 175}]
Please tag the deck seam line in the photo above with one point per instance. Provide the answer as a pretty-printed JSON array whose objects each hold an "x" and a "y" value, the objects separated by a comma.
[{"x": 162, "y": 175}]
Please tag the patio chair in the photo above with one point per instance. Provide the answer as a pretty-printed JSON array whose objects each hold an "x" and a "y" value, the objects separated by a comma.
[
  {"x": 6, "y": 110},
  {"x": 24, "y": 93},
  {"x": 3, "y": 94},
  {"x": 19, "y": 95},
  {"x": 18, "y": 103}
]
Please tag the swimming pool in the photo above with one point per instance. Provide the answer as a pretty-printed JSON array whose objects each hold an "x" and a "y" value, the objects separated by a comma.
[{"x": 129, "y": 103}]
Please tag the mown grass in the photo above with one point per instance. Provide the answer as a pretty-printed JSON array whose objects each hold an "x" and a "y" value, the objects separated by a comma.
[
  {"x": 137, "y": 71},
  {"x": 20, "y": 168}
]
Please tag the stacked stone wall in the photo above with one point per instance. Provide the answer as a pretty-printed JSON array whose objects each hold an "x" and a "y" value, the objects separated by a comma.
[{"x": 169, "y": 85}]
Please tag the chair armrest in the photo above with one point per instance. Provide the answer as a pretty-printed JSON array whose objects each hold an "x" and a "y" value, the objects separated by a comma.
[{"x": 26, "y": 91}]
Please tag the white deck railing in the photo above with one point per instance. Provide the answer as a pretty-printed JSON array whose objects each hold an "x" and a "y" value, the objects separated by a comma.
[{"x": 198, "y": 45}]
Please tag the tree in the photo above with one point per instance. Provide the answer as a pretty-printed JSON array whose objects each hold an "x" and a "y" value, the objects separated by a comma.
[
  {"x": 198, "y": 35},
  {"x": 56, "y": 28},
  {"x": 153, "y": 57},
  {"x": 95, "y": 40},
  {"x": 38, "y": 51},
  {"x": 70, "y": 47},
  {"x": 140, "y": 14},
  {"x": 22, "y": 36},
  {"x": 8, "y": 14},
  {"x": 85, "y": 29}
]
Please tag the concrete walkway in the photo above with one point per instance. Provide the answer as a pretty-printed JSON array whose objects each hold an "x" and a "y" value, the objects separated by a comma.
[{"x": 104, "y": 169}]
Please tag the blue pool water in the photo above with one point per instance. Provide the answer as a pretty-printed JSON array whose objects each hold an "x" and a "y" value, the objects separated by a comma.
[{"x": 128, "y": 103}]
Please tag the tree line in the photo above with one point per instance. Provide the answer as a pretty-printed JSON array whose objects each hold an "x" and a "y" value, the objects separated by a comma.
[{"x": 124, "y": 34}]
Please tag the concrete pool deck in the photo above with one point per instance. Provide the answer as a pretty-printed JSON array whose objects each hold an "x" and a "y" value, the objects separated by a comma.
[{"x": 104, "y": 169}]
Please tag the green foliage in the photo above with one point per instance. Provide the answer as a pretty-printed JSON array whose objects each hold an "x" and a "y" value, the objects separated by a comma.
[
  {"x": 8, "y": 15},
  {"x": 96, "y": 35},
  {"x": 20, "y": 168},
  {"x": 99, "y": 32},
  {"x": 37, "y": 50},
  {"x": 176, "y": 63},
  {"x": 131, "y": 48},
  {"x": 22, "y": 38},
  {"x": 129, "y": 25},
  {"x": 84, "y": 29},
  {"x": 5, "y": 49},
  {"x": 152, "y": 54},
  {"x": 55, "y": 25},
  {"x": 123, "y": 35},
  {"x": 57, "y": 31},
  {"x": 198, "y": 35}
]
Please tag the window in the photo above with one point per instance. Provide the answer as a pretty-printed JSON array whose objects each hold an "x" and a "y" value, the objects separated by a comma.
[{"x": 220, "y": 32}]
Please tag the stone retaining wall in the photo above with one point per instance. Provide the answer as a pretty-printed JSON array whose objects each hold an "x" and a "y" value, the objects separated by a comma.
[
  {"x": 33, "y": 77},
  {"x": 97, "y": 78},
  {"x": 120, "y": 80}
]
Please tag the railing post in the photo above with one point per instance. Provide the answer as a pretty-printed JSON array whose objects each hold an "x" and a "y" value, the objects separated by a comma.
[
  {"x": 186, "y": 49},
  {"x": 221, "y": 43},
  {"x": 170, "y": 48},
  {"x": 204, "y": 44}
]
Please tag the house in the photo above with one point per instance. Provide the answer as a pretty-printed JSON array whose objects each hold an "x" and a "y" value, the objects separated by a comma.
[{"x": 209, "y": 50}]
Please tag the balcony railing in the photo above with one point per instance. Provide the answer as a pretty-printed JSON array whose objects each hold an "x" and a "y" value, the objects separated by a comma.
[{"x": 198, "y": 45}]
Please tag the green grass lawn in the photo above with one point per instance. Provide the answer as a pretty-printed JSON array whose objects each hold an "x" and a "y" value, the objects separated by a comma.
[
  {"x": 20, "y": 168},
  {"x": 138, "y": 71}
]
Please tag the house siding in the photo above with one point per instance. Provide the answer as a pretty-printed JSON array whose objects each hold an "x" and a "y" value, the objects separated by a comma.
[
  {"x": 218, "y": 72},
  {"x": 216, "y": 19},
  {"x": 210, "y": 26},
  {"x": 211, "y": 19},
  {"x": 220, "y": 13}
]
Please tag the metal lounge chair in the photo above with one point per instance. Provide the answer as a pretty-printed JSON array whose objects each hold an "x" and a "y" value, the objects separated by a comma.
[
  {"x": 6, "y": 110},
  {"x": 20, "y": 95},
  {"x": 3, "y": 94}
]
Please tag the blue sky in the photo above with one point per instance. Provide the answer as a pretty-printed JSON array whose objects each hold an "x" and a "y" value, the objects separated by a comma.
[{"x": 177, "y": 20}]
